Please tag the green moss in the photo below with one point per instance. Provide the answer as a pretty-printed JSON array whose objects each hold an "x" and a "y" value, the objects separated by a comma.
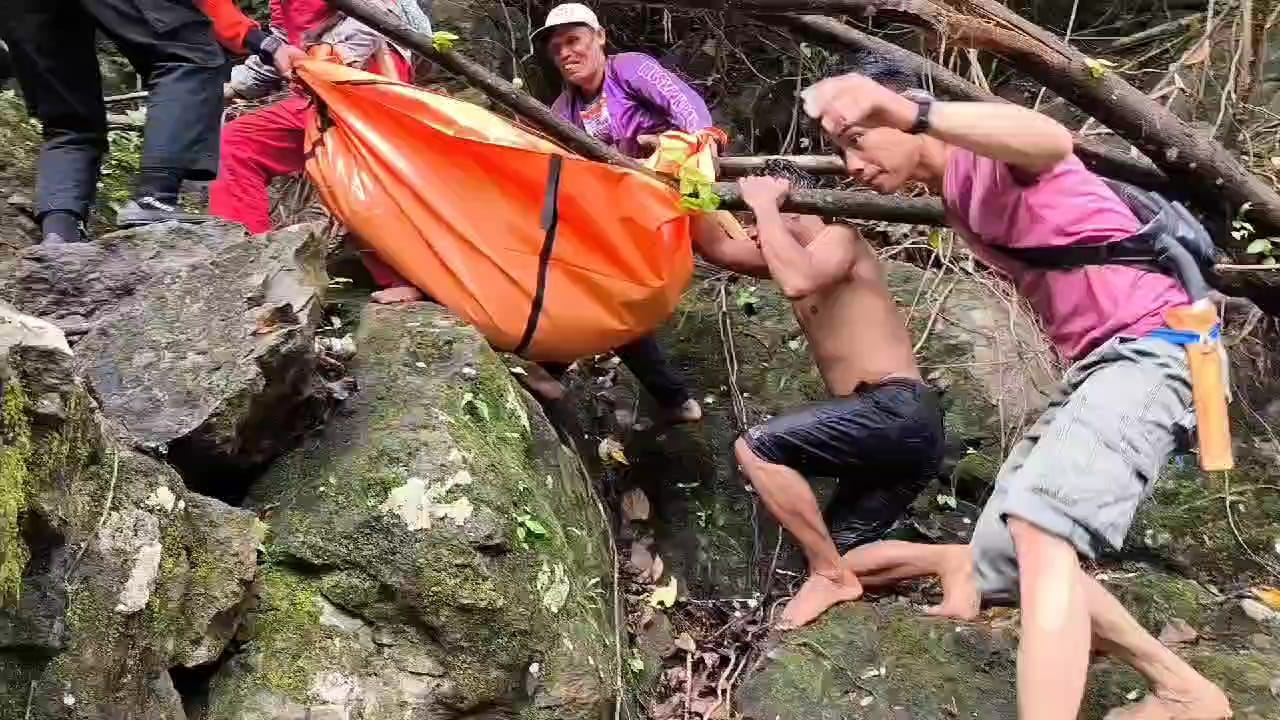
[
  {"x": 1187, "y": 518},
  {"x": 163, "y": 606},
  {"x": 935, "y": 668},
  {"x": 14, "y": 487},
  {"x": 1157, "y": 597},
  {"x": 286, "y": 631},
  {"x": 19, "y": 142},
  {"x": 1245, "y": 678}
]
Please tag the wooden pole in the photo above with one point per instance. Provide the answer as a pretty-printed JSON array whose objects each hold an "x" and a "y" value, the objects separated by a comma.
[
  {"x": 1098, "y": 157},
  {"x": 739, "y": 165}
]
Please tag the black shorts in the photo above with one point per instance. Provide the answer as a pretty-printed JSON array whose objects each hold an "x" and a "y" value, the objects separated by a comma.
[{"x": 883, "y": 443}]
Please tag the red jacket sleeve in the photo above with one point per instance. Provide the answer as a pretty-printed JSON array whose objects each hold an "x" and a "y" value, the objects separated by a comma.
[{"x": 230, "y": 26}]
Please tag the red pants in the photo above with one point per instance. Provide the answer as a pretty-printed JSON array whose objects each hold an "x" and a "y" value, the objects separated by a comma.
[{"x": 258, "y": 147}]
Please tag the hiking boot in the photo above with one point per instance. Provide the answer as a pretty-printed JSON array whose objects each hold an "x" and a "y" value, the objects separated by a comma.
[
  {"x": 61, "y": 227},
  {"x": 147, "y": 210}
]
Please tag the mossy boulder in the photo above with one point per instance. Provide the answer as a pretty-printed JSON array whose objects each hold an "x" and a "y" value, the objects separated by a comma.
[
  {"x": 113, "y": 572},
  {"x": 435, "y": 552},
  {"x": 883, "y": 660},
  {"x": 198, "y": 338},
  {"x": 991, "y": 369}
]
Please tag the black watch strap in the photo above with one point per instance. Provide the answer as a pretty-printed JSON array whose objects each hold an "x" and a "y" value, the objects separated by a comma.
[
  {"x": 921, "y": 125},
  {"x": 267, "y": 51}
]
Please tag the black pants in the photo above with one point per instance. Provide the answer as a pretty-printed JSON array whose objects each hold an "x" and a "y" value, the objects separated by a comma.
[
  {"x": 169, "y": 42},
  {"x": 884, "y": 444},
  {"x": 645, "y": 360}
]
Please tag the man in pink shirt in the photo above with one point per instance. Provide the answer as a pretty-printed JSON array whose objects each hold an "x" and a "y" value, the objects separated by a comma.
[{"x": 1071, "y": 486}]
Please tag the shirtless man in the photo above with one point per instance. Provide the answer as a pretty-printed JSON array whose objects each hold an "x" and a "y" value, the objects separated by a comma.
[
  {"x": 881, "y": 436},
  {"x": 1071, "y": 486}
]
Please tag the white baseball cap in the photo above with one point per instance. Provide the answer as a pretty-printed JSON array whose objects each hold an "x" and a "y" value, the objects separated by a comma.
[{"x": 568, "y": 14}]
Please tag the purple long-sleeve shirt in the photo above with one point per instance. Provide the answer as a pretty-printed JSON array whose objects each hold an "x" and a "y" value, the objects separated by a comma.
[{"x": 643, "y": 98}]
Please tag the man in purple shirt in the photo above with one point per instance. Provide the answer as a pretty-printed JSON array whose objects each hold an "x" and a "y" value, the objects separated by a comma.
[
  {"x": 626, "y": 101},
  {"x": 1071, "y": 486}
]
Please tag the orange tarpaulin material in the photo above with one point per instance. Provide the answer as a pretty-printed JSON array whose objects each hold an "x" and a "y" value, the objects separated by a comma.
[{"x": 458, "y": 200}]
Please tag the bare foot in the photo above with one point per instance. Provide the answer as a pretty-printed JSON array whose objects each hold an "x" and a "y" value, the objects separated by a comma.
[
  {"x": 540, "y": 383},
  {"x": 960, "y": 597},
  {"x": 400, "y": 294},
  {"x": 687, "y": 412},
  {"x": 1205, "y": 702},
  {"x": 819, "y": 594}
]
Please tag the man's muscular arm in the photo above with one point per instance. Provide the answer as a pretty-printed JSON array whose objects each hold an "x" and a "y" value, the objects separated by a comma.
[
  {"x": 800, "y": 270},
  {"x": 1006, "y": 132},
  {"x": 717, "y": 246}
]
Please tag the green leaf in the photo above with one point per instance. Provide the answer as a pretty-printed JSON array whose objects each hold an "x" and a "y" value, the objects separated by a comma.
[
  {"x": 535, "y": 527},
  {"x": 443, "y": 40},
  {"x": 1270, "y": 261},
  {"x": 1098, "y": 68},
  {"x": 935, "y": 240},
  {"x": 1261, "y": 246},
  {"x": 635, "y": 663}
]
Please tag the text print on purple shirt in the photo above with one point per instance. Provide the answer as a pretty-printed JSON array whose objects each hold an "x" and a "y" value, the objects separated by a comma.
[
  {"x": 1065, "y": 206},
  {"x": 642, "y": 98},
  {"x": 684, "y": 115}
]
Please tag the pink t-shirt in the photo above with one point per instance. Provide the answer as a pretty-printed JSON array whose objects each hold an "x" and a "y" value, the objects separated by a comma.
[{"x": 1068, "y": 205}]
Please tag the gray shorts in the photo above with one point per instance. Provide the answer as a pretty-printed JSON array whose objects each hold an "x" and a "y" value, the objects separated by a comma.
[{"x": 1083, "y": 468}]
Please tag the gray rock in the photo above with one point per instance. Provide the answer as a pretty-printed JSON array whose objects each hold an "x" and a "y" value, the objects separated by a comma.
[
  {"x": 112, "y": 571},
  {"x": 200, "y": 339},
  {"x": 395, "y": 584}
]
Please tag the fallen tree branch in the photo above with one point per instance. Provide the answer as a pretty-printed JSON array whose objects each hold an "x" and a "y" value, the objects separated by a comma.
[
  {"x": 127, "y": 97},
  {"x": 1221, "y": 183},
  {"x": 845, "y": 204},
  {"x": 1098, "y": 157},
  {"x": 1156, "y": 32}
]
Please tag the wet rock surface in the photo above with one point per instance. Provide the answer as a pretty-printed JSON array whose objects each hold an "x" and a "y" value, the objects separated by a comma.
[{"x": 197, "y": 339}]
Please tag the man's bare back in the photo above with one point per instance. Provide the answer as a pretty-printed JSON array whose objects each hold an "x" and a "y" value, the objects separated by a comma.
[{"x": 856, "y": 333}]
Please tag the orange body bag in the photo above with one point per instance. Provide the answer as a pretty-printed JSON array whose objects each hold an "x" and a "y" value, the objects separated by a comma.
[{"x": 548, "y": 254}]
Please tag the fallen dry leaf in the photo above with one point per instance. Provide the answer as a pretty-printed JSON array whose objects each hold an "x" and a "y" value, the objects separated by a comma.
[
  {"x": 1178, "y": 631},
  {"x": 685, "y": 642},
  {"x": 610, "y": 450},
  {"x": 1269, "y": 596},
  {"x": 635, "y": 505}
]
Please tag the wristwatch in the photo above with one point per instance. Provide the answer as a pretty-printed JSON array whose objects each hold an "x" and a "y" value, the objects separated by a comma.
[{"x": 923, "y": 106}]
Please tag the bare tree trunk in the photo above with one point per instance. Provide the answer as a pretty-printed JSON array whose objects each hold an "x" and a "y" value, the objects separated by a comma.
[
  {"x": 1100, "y": 158},
  {"x": 1221, "y": 183}
]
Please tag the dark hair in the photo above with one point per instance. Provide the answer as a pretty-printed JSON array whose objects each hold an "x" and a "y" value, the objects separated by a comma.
[{"x": 787, "y": 170}]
